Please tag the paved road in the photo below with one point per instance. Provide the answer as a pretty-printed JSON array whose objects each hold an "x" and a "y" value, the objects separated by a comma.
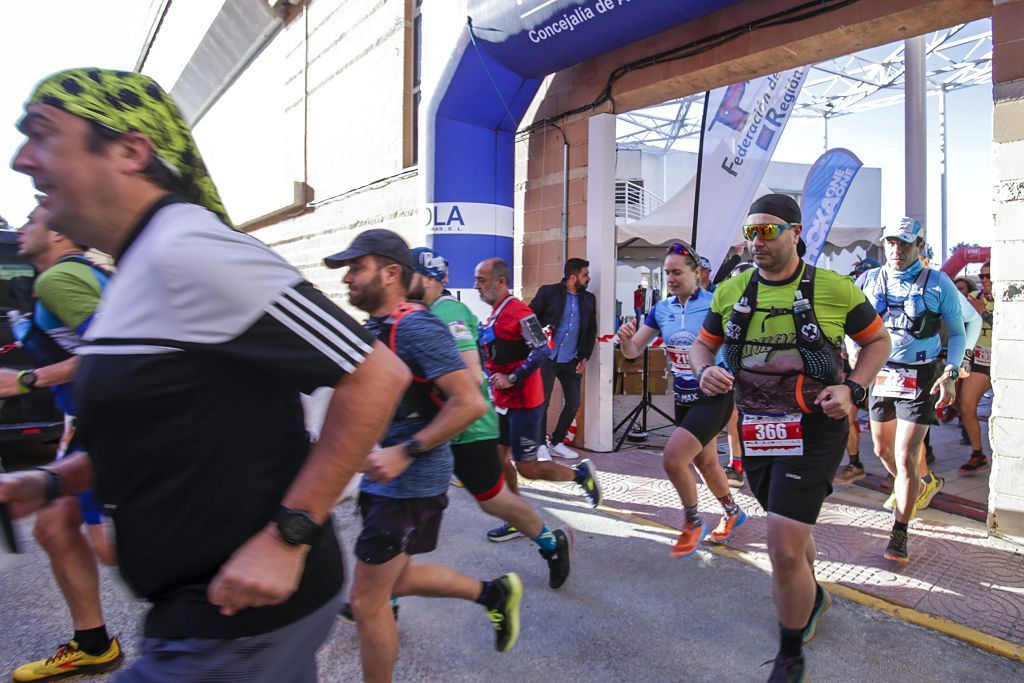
[{"x": 629, "y": 613}]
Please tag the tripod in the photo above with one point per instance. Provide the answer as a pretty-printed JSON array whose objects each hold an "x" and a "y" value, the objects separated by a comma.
[{"x": 639, "y": 412}]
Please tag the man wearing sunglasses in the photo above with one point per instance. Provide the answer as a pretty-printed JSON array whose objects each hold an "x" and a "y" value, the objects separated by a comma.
[
  {"x": 913, "y": 302},
  {"x": 780, "y": 327}
]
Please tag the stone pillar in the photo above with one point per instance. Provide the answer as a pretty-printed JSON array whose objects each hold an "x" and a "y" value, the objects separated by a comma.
[
  {"x": 915, "y": 133},
  {"x": 1006, "y": 428},
  {"x": 597, "y": 401}
]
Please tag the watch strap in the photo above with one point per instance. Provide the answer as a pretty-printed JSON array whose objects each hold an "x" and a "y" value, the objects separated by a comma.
[{"x": 54, "y": 484}]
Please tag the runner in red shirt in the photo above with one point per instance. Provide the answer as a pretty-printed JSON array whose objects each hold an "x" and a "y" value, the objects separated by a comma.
[{"x": 514, "y": 347}]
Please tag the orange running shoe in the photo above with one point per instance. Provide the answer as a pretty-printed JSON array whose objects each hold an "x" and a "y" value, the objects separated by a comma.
[
  {"x": 688, "y": 540},
  {"x": 723, "y": 533}
]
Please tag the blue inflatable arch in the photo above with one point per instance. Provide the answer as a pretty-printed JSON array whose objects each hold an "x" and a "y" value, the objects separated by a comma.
[{"x": 506, "y": 49}]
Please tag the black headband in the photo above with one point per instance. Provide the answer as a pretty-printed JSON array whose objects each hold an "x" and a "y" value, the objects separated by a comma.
[{"x": 781, "y": 205}]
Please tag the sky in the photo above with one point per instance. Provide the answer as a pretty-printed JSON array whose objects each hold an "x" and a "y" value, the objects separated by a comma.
[{"x": 44, "y": 36}]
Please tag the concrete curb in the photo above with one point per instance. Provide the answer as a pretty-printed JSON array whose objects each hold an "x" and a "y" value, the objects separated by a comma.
[{"x": 942, "y": 625}]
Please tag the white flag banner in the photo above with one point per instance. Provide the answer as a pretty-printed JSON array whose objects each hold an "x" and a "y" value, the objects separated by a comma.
[{"x": 743, "y": 126}]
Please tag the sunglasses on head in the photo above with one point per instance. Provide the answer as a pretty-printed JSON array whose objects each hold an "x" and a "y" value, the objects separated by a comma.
[
  {"x": 683, "y": 251},
  {"x": 766, "y": 231}
]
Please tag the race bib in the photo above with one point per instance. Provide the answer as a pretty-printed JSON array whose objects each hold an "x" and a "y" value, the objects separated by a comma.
[
  {"x": 679, "y": 359},
  {"x": 983, "y": 355},
  {"x": 896, "y": 383},
  {"x": 772, "y": 435}
]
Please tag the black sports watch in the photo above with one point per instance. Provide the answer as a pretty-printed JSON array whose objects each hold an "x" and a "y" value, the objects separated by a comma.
[
  {"x": 413, "y": 448},
  {"x": 856, "y": 391},
  {"x": 513, "y": 377},
  {"x": 297, "y": 527},
  {"x": 27, "y": 379},
  {"x": 952, "y": 373}
]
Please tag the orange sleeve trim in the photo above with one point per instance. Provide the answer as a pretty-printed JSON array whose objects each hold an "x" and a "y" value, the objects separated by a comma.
[
  {"x": 800, "y": 394},
  {"x": 868, "y": 331},
  {"x": 712, "y": 340}
]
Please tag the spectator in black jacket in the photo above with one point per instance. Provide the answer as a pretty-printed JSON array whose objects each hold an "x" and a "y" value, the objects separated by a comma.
[{"x": 571, "y": 313}]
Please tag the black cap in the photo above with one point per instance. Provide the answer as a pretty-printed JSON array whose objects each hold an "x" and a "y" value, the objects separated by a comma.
[{"x": 379, "y": 242}]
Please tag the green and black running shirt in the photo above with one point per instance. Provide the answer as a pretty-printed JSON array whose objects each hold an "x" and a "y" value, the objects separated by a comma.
[{"x": 770, "y": 380}]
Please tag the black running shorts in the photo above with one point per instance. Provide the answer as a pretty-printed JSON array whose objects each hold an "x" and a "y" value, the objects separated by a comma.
[
  {"x": 796, "y": 486},
  {"x": 392, "y": 526},
  {"x": 980, "y": 369},
  {"x": 478, "y": 467},
  {"x": 920, "y": 409},
  {"x": 523, "y": 430},
  {"x": 705, "y": 419}
]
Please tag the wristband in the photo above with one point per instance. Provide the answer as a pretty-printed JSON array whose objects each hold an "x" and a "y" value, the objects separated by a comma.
[{"x": 54, "y": 484}]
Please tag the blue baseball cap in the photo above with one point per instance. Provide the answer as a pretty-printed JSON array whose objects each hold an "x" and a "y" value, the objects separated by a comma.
[
  {"x": 428, "y": 262},
  {"x": 908, "y": 230}
]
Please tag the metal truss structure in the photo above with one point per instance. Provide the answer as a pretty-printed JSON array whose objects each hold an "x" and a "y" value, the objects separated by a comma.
[{"x": 957, "y": 57}]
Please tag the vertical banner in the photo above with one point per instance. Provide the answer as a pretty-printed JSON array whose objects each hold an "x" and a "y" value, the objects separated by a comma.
[
  {"x": 743, "y": 126},
  {"x": 824, "y": 191}
]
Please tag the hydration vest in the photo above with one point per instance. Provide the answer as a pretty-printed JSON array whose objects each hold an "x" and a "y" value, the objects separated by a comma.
[
  {"x": 822, "y": 360},
  {"x": 422, "y": 399},
  {"x": 912, "y": 318},
  {"x": 40, "y": 346},
  {"x": 501, "y": 351}
]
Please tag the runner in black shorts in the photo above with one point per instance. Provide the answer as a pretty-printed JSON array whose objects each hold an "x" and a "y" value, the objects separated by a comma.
[
  {"x": 915, "y": 302},
  {"x": 780, "y": 329},
  {"x": 477, "y": 462},
  {"x": 979, "y": 381},
  {"x": 404, "y": 491},
  {"x": 699, "y": 418}
]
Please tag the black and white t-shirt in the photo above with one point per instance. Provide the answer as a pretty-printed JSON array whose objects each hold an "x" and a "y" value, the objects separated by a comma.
[{"x": 189, "y": 407}]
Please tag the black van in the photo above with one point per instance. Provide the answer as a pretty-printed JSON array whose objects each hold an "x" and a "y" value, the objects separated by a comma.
[{"x": 33, "y": 416}]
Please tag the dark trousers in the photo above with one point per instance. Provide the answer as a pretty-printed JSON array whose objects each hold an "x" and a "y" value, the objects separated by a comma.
[{"x": 571, "y": 382}]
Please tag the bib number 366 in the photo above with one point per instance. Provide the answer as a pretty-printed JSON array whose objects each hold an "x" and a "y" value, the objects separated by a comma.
[{"x": 773, "y": 435}]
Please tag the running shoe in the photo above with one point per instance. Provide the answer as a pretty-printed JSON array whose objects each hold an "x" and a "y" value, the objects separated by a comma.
[
  {"x": 69, "y": 662},
  {"x": 726, "y": 528},
  {"x": 734, "y": 476},
  {"x": 456, "y": 483},
  {"x": 890, "y": 502},
  {"x": 505, "y": 617},
  {"x": 788, "y": 669},
  {"x": 505, "y": 532},
  {"x": 822, "y": 601},
  {"x": 348, "y": 615},
  {"x": 591, "y": 486},
  {"x": 559, "y": 559},
  {"x": 929, "y": 455},
  {"x": 564, "y": 452},
  {"x": 543, "y": 454},
  {"x": 897, "y": 548},
  {"x": 964, "y": 439},
  {"x": 688, "y": 540},
  {"x": 976, "y": 463},
  {"x": 850, "y": 473},
  {"x": 929, "y": 490}
]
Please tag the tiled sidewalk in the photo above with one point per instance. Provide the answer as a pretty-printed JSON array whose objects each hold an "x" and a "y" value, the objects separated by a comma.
[{"x": 956, "y": 572}]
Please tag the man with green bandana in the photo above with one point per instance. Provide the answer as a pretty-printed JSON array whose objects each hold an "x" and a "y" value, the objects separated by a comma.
[{"x": 189, "y": 384}]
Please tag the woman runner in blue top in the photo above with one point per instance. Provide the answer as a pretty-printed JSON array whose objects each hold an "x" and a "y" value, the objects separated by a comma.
[{"x": 699, "y": 418}]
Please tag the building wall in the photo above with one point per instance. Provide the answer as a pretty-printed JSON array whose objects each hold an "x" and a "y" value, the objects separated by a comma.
[
  {"x": 322, "y": 104},
  {"x": 1006, "y": 427}
]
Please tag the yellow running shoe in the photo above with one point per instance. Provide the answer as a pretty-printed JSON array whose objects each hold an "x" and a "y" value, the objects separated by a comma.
[
  {"x": 929, "y": 490},
  {"x": 68, "y": 662}
]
